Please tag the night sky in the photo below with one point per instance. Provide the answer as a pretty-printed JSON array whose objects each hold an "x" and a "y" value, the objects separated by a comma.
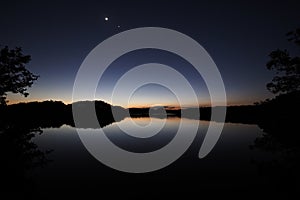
[{"x": 238, "y": 35}]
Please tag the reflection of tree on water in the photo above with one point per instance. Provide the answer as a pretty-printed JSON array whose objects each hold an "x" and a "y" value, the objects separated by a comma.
[
  {"x": 282, "y": 140},
  {"x": 18, "y": 156}
]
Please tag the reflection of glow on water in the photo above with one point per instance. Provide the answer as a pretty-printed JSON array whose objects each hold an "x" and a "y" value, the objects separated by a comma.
[{"x": 228, "y": 163}]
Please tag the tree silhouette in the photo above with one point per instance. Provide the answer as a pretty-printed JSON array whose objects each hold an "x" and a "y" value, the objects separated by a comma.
[
  {"x": 287, "y": 68},
  {"x": 14, "y": 77}
]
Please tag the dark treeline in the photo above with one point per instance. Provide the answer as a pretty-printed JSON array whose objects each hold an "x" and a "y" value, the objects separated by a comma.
[
  {"x": 283, "y": 108},
  {"x": 55, "y": 114},
  {"x": 40, "y": 114}
]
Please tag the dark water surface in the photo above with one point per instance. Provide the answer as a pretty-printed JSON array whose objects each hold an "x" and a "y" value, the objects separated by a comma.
[{"x": 235, "y": 167}]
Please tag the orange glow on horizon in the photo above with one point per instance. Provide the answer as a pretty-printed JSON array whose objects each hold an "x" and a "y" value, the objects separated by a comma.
[{"x": 147, "y": 105}]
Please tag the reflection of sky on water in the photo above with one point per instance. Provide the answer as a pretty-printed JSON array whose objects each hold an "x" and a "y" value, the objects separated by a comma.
[{"x": 228, "y": 166}]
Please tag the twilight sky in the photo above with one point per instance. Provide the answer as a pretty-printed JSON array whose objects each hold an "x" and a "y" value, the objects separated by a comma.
[{"x": 238, "y": 35}]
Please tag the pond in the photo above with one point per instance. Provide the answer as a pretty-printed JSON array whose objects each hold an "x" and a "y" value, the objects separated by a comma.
[{"x": 233, "y": 166}]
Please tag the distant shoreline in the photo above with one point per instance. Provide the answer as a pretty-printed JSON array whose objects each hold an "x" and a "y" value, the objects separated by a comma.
[{"x": 280, "y": 110}]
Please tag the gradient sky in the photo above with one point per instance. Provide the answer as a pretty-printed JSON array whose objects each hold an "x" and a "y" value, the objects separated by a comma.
[{"x": 238, "y": 35}]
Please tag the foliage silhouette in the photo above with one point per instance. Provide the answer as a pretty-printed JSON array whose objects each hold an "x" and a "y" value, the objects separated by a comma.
[
  {"x": 19, "y": 156},
  {"x": 287, "y": 68},
  {"x": 14, "y": 77},
  {"x": 281, "y": 139}
]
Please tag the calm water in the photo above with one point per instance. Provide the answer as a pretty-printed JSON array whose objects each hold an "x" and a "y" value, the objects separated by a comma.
[{"x": 232, "y": 166}]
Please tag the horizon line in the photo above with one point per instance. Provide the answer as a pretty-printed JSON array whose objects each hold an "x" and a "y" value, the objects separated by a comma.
[{"x": 133, "y": 106}]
